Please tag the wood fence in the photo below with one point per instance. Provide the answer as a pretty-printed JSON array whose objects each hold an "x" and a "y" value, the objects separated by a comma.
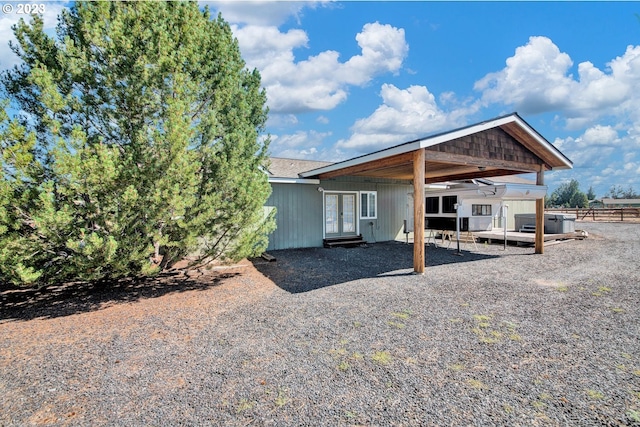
[{"x": 601, "y": 214}]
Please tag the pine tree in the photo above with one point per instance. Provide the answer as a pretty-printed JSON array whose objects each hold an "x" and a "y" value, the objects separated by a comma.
[{"x": 138, "y": 139}]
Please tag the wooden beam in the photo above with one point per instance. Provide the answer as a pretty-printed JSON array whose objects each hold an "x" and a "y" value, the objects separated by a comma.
[
  {"x": 462, "y": 159},
  {"x": 399, "y": 159},
  {"x": 539, "y": 240},
  {"x": 418, "y": 211},
  {"x": 489, "y": 173}
]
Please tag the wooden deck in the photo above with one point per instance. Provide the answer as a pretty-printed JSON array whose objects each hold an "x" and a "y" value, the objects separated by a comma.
[{"x": 497, "y": 235}]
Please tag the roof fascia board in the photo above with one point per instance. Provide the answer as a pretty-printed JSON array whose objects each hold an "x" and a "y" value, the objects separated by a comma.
[
  {"x": 293, "y": 181},
  {"x": 398, "y": 149},
  {"x": 542, "y": 141}
]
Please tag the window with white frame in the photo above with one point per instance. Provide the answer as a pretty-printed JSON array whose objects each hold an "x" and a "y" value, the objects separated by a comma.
[
  {"x": 481, "y": 210},
  {"x": 368, "y": 204}
]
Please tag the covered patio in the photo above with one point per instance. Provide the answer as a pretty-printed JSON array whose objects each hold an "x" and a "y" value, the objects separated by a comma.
[{"x": 505, "y": 145}]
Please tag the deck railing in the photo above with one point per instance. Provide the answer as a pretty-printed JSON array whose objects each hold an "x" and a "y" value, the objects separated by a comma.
[{"x": 601, "y": 214}]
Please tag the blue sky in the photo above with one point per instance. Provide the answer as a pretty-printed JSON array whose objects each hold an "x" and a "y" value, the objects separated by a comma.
[{"x": 347, "y": 78}]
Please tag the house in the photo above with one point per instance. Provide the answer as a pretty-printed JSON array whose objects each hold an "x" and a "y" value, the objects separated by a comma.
[
  {"x": 621, "y": 203},
  {"x": 369, "y": 195},
  {"x": 310, "y": 210}
]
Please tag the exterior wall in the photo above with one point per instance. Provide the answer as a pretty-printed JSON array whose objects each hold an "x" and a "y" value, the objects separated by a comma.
[
  {"x": 300, "y": 217},
  {"x": 392, "y": 205},
  {"x": 515, "y": 207},
  {"x": 621, "y": 203}
]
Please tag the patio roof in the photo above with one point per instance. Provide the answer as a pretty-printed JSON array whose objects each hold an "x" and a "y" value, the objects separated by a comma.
[
  {"x": 505, "y": 145},
  {"x": 502, "y": 146}
]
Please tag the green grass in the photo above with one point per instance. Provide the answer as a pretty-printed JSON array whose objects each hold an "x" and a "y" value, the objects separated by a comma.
[
  {"x": 343, "y": 366},
  {"x": 381, "y": 357},
  {"x": 396, "y": 324},
  {"x": 404, "y": 314},
  {"x": 633, "y": 415},
  {"x": 595, "y": 394},
  {"x": 244, "y": 405},
  {"x": 477, "y": 384},
  {"x": 282, "y": 398}
]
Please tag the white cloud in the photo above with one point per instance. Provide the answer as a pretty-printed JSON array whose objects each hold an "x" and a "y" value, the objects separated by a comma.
[
  {"x": 299, "y": 145},
  {"x": 7, "y": 58},
  {"x": 319, "y": 82},
  {"x": 282, "y": 120},
  {"x": 405, "y": 114},
  {"x": 534, "y": 79},
  {"x": 599, "y": 136},
  {"x": 263, "y": 13},
  {"x": 537, "y": 79}
]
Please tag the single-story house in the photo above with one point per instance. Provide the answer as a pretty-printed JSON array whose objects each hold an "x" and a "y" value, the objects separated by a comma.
[
  {"x": 620, "y": 203},
  {"x": 369, "y": 195}
]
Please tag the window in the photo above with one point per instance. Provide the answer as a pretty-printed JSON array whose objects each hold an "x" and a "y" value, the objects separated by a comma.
[
  {"x": 481, "y": 210},
  {"x": 432, "y": 205},
  {"x": 449, "y": 204},
  {"x": 368, "y": 204}
]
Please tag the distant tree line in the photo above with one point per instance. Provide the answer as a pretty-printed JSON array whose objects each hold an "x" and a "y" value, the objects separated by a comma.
[
  {"x": 617, "y": 192},
  {"x": 569, "y": 195}
]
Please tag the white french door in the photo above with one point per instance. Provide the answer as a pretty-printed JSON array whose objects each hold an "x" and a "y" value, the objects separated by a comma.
[{"x": 340, "y": 214}]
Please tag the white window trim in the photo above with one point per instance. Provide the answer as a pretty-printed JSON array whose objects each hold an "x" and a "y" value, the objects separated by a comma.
[
  {"x": 324, "y": 219},
  {"x": 375, "y": 193}
]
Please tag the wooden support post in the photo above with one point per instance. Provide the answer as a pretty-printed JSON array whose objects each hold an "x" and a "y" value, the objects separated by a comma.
[
  {"x": 418, "y": 211},
  {"x": 539, "y": 239}
]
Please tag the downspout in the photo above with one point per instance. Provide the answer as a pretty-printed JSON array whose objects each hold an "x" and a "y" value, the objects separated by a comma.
[
  {"x": 505, "y": 208},
  {"x": 457, "y": 207}
]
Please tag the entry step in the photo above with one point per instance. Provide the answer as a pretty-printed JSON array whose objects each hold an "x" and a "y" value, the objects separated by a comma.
[{"x": 348, "y": 241}]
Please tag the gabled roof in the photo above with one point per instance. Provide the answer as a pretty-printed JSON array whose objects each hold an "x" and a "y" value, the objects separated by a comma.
[
  {"x": 511, "y": 179},
  {"x": 292, "y": 168},
  {"x": 505, "y": 145}
]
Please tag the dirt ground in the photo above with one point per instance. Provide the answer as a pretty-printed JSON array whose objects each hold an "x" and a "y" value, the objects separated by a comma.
[
  {"x": 42, "y": 323},
  {"x": 339, "y": 337}
]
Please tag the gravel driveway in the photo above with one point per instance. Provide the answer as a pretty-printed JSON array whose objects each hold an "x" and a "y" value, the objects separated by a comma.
[{"x": 340, "y": 337}]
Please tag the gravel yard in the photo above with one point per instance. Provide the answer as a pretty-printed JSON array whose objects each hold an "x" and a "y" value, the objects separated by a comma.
[{"x": 340, "y": 337}]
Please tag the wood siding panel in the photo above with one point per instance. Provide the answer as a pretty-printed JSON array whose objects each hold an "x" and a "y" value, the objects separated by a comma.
[{"x": 493, "y": 144}]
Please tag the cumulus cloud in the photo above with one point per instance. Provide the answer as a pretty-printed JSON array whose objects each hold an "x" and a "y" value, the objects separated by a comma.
[
  {"x": 534, "y": 79},
  {"x": 319, "y": 82},
  {"x": 265, "y": 13},
  {"x": 299, "y": 145},
  {"x": 538, "y": 79},
  {"x": 405, "y": 114}
]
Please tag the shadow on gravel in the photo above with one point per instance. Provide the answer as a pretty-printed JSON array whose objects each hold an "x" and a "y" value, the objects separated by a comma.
[
  {"x": 73, "y": 298},
  {"x": 303, "y": 270}
]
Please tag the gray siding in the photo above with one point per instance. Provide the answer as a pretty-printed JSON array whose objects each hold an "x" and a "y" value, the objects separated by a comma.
[{"x": 300, "y": 218}]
